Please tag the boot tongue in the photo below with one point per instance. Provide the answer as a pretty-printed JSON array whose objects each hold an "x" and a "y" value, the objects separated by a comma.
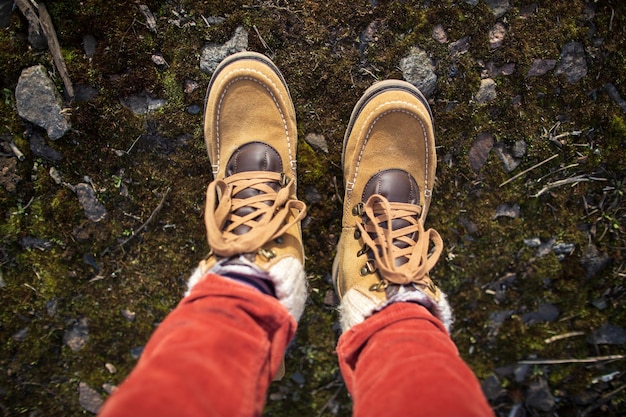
[
  {"x": 253, "y": 156},
  {"x": 397, "y": 186}
]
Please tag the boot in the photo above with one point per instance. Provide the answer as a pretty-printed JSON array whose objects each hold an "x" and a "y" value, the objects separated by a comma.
[
  {"x": 252, "y": 214},
  {"x": 384, "y": 253}
]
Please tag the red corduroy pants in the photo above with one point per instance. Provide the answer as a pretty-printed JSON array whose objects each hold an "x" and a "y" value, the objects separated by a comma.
[{"x": 216, "y": 353}]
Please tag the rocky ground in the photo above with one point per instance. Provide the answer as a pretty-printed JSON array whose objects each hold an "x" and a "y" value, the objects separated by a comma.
[{"x": 103, "y": 169}]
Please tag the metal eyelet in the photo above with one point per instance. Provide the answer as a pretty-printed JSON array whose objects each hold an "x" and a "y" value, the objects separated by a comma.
[
  {"x": 362, "y": 251},
  {"x": 358, "y": 209},
  {"x": 267, "y": 253},
  {"x": 357, "y": 234},
  {"x": 284, "y": 180},
  {"x": 279, "y": 240},
  {"x": 380, "y": 286},
  {"x": 368, "y": 268}
]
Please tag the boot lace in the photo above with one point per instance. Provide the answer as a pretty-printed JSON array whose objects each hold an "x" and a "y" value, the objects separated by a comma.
[
  {"x": 401, "y": 255},
  {"x": 269, "y": 213}
]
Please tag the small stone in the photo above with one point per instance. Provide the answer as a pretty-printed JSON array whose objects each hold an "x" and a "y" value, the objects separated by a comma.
[
  {"x": 545, "y": 248},
  {"x": 507, "y": 210},
  {"x": 312, "y": 195},
  {"x": 479, "y": 152},
  {"x": 519, "y": 148},
  {"x": 496, "y": 35},
  {"x": 615, "y": 96},
  {"x": 492, "y": 388},
  {"x": 20, "y": 335},
  {"x": 539, "y": 397},
  {"x": 330, "y": 298},
  {"x": 90, "y": 44},
  {"x": 30, "y": 242},
  {"x": 213, "y": 54},
  {"x": 540, "y": 67},
  {"x": 94, "y": 210},
  {"x": 51, "y": 307},
  {"x": 505, "y": 155},
  {"x": 534, "y": 242},
  {"x": 110, "y": 367},
  {"x": 55, "y": 175},
  {"x": 472, "y": 2},
  {"x": 564, "y": 248},
  {"x": 486, "y": 92},
  {"x": 109, "y": 388},
  {"x": 594, "y": 261},
  {"x": 317, "y": 141},
  {"x": 608, "y": 334},
  {"x": 298, "y": 378},
  {"x": 38, "y": 101},
  {"x": 573, "y": 63},
  {"x": 76, "y": 338},
  {"x": 142, "y": 103},
  {"x": 194, "y": 109},
  {"x": 495, "y": 71},
  {"x": 128, "y": 315},
  {"x": 41, "y": 150},
  {"x": 439, "y": 34},
  {"x": 136, "y": 352},
  {"x": 190, "y": 86},
  {"x": 546, "y": 313},
  {"x": 418, "y": 69},
  {"x": 498, "y": 7},
  {"x": 89, "y": 398},
  {"x": 160, "y": 62},
  {"x": 459, "y": 47}
]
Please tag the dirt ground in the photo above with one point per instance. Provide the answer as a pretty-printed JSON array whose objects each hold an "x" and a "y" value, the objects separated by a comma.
[{"x": 534, "y": 258}]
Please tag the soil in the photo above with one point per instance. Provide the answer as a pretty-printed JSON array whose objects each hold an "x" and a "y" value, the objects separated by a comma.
[{"x": 534, "y": 258}]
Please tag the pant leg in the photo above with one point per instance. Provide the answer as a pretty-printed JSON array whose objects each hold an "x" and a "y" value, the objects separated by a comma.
[
  {"x": 214, "y": 355},
  {"x": 402, "y": 362}
]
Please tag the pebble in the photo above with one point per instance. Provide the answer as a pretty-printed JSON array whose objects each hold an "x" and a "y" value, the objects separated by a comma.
[
  {"x": 41, "y": 150},
  {"x": 38, "y": 101},
  {"x": 439, "y": 34},
  {"x": 486, "y": 92},
  {"x": 128, "y": 315},
  {"x": 136, "y": 352},
  {"x": 94, "y": 210},
  {"x": 212, "y": 55},
  {"x": 538, "y": 396},
  {"x": 317, "y": 141},
  {"x": 479, "y": 152},
  {"x": 593, "y": 261},
  {"x": 190, "y": 86},
  {"x": 498, "y": 7},
  {"x": 52, "y": 307},
  {"x": 505, "y": 154},
  {"x": 496, "y": 35},
  {"x": 89, "y": 45},
  {"x": 608, "y": 334},
  {"x": 312, "y": 195},
  {"x": 30, "y": 242},
  {"x": 546, "y": 313},
  {"x": 194, "y": 109},
  {"x": 20, "y": 335},
  {"x": 459, "y": 47},
  {"x": 89, "y": 398},
  {"x": 507, "y": 210},
  {"x": 492, "y": 388},
  {"x": 76, "y": 338},
  {"x": 541, "y": 67},
  {"x": 110, "y": 367},
  {"x": 494, "y": 70},
  {"x": 418, "y": 69},
  {"x": 142, "y": 103},
  {"x": 573, "y": 63}
]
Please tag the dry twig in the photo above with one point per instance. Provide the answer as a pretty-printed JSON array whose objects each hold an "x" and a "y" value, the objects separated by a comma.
[
  {"x": 513, "y": 178},
  {"x": 55, "y": 49},
  {"x": 562, "y": 361}
]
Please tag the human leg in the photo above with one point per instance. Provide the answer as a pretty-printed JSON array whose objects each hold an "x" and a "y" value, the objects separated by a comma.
[
  {"x": 216, "y": 353},
  {"x": 395, "y": 353}
]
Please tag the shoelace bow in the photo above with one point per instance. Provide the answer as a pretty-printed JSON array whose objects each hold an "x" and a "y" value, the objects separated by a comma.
[
  {"x": 268, "y": 220},
  {"x": 379, "y": 210}
]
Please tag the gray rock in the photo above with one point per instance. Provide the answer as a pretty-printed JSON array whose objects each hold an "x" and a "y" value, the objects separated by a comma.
[
  {"x": 533, "y": 242},
  {"x": 593, "y": 261},
  {"x": 194, "y": 109},
  {"x": 52, "y": 307},
  {"x": 30, "y": 242},
  {"x": 519, "y": 148},
  {"x": 90, "y": 44},
  {"x": 505, "y": 154},
  {"x": 492, "y": 388},
  {"x": 459, "y": 47},
  {"x": 573, "y": 63},
  {"x": 540, "y": 67},
  {"x": 546, "y": 313},
  {"x": 312, "y": 195},
  {"x": 76, "y": 338},
  {"x": 20, "y": 335},
  {"x": 615, "y": 96},
  {"x": 486, "y": 92},
  {"x": 498, "y": 7},
  {"x": 608, "y": 334},
  {"x": 212, "y": 54},
  {"x": 479, "y": 152},
  {"x": 136, "y": 352},
  {"x": 6, "y": 7},
  {"x": 496, "y": 35},
  {"x": 507, "y": 210},
  {"x": 39, "y": 102},
  {"x": 317, "y": 141},
  {"x": 142, "y": 103},
  {"x": 472, "y": 2},
  {"x": 89, "y": 398},
  {"x": 41, "y": 150},
  {"x": 545, "y": 248},
  {"x": 539, "y": 397},
  {"x": 439, "y": 34},
  {"x": 562, "y": 249},
  {"x": 94, "y": 210},
  {"x": 495, "y": 71},
  {"x": 418, "y": 69}
]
